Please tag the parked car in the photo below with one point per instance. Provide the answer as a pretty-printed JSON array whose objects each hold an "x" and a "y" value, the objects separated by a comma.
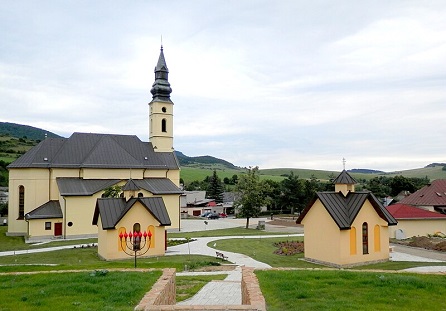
[
  {"x": 205, "y": 214},
  {"x": 223, "y": 215},
  {"x": 213, "y": 216}
]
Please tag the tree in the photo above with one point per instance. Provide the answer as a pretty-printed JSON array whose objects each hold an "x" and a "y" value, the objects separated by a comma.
[
  {"x": 311, "y": 187},
  {"x": 380, "y": 186},
  {"x": 401, "y": 183},
  {"x": 3, "y": 209},
  {"x": 215, "y": 188},
  {"x": 251, "y": 194},
  {"x": 293, "y": 193},
  {"x": 112, "y": 192}
]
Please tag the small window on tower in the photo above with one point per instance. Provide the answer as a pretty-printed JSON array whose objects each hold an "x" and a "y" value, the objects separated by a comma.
[
  {"x": 164, "y": 109},
  {"x": 164, "y": 126}
]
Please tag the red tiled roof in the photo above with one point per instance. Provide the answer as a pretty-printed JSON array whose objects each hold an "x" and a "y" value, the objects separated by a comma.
[
  {"x": 430, "y": 195},
  {"x": 403, "y": 211}
]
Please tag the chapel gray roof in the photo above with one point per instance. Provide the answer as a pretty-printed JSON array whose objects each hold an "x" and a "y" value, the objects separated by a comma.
[
  {"x": 130, "y": 186},
  {"x": 50, "y": 209},
  {"x": 77, "y": 186},
  {"x": 88, "y": 150},
  {"x": 112, "y": 210},
  {"x": 344, "y": 178},
  {"x": 344, "y": 209}
]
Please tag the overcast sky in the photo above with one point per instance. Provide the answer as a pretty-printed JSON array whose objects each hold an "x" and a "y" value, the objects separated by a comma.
[{"x": 294, "y": 83}]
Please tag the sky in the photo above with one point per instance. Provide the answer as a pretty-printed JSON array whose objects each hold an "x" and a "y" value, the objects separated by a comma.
[{"x": 289, "y": 84}]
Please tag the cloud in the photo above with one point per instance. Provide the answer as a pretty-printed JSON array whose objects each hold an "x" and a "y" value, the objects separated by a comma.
[{"x": 289, "y": 83}]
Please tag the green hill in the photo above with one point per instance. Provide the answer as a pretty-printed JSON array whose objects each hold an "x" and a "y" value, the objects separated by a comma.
[
  {"x": 16, "y": 139},
  {"x": 25, "y": 131},
  {"x": 431, "y": 171}
]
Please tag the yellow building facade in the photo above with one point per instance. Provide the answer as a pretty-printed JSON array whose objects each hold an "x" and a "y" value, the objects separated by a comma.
[
  {"x": 346, "y": 228},
  {"x": 54, "y": 187}
]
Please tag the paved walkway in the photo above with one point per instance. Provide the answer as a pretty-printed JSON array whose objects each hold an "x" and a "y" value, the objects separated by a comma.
[
  {"x": 228, "y": 291},
  {"x": 199, "y": 247},
  {"x": 225, "y": 292}
]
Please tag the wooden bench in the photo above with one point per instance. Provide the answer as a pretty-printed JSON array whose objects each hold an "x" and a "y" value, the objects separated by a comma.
[{"x": 221, "y": 255}]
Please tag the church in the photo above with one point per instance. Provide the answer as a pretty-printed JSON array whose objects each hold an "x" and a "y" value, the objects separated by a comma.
[{"x": 54, "y": 187}]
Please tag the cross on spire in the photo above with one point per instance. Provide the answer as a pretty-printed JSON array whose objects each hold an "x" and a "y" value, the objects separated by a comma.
[{"x": 343, "y": 162}]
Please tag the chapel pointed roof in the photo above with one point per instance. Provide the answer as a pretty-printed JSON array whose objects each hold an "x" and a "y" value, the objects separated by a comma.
[{"x": 344, "y": 178}]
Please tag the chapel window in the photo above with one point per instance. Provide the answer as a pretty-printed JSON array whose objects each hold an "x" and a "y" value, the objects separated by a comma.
[
  {"x": 163, "y": 125},
  {"x": 136, "y": 239},
  {"x": 365, "y": 239}
]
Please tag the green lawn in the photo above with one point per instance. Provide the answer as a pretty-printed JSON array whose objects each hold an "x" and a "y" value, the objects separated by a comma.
[
  {"x": 346, "y": 290},
  {"x": 75, "y": 291},
  {"x": 9, "y": 243},
  {"x": 87, "y": 258},
  {"x": 262, "y": 249}
]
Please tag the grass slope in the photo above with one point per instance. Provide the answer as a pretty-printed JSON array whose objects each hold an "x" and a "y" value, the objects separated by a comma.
[
  {"x": 75, "y": 291},
  {"x": 346, "y": 290}
]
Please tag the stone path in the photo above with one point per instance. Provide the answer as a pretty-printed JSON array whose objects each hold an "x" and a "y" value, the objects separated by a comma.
[
  {"x": 228, "y": 291},
  {"x": 225, "y": 292}
]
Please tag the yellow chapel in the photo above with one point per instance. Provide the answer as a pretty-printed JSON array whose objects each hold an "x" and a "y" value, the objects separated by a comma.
[{"x": 344, "y": 227}]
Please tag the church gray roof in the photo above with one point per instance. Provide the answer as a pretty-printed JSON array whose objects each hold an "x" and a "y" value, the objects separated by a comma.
[
  {"x": 344, "y": 209},
  {"x": 69, "y": 186},
  {"x": 158, "y": 185},
  {"x": 87, "y": 150},
  {"x": 50, "y": 209},
  {"x": 77, "y": 186},
  {"x": 112, "y": 210}
]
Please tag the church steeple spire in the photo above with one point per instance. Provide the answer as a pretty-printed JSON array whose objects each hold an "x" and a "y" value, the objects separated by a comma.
[
  {"x": 161, "y": 109},
  {"x": 161, "y": 87}
]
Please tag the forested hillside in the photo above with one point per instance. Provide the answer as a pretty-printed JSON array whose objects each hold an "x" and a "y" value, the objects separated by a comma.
[{"x": 24, "y": 131}]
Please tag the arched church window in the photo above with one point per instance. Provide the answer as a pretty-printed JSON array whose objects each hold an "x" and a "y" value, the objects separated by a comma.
[
  {"x": 164, "y": 125},
  {"x": 21, "y": 202},
  {"x": 140, "y": 195}
]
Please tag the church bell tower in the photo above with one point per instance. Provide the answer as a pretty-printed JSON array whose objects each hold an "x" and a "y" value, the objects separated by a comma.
[{"x": 161, "y": 109}]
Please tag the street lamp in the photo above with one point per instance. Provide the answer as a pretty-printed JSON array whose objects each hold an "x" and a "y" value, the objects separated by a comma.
[{"x": 133, "y": 243}]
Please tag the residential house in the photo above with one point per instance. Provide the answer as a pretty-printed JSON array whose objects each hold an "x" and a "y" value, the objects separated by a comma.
[
  {"x": 414, "y": 221},
  {"x": 431, "y": 197}
]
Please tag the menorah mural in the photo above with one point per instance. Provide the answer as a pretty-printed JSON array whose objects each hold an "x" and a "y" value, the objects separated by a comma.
[{"x": 135, "y": 244}]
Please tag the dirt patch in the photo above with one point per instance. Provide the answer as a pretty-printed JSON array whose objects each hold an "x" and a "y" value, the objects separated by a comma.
[
  {"x": 284, "y": 223},
  {"x": 431, "y": 243},
  {"x": 440, "y": 246}
]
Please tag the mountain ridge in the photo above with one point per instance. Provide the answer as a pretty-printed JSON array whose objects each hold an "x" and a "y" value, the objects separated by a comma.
[{"x": 209, "y": 162}]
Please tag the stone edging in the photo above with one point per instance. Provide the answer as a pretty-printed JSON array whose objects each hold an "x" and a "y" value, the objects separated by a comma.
[{"x": 162, "y": 295}]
